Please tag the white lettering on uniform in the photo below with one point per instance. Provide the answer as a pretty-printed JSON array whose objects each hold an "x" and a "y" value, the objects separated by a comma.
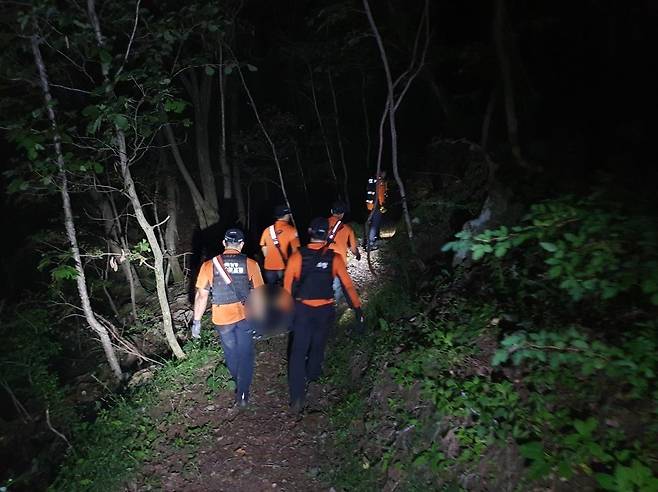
[
  {"x": 233, "y": 267},
  {"x": 322, "y": 264}
]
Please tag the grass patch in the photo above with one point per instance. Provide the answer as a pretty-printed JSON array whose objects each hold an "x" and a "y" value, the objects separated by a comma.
[{"x": 108, "y": 451}]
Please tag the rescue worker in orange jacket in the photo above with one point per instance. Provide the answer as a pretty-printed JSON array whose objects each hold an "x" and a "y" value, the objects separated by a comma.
[
  {"x": 341, "y": 239},
  {"x": 375, "y": 199},
  {"x": 308, "y": 278},
  {"x": 277, "y": 242},
  {"x": 230, "y": 277}
]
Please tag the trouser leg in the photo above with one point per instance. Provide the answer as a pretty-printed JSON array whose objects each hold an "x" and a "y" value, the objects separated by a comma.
[
  {"x": 245, "y": 359},
  {"x": 375, "y": 224},
  {"x": 273, "y": 277},
  {"x": 323, "y": 319},
  {"x": 301, "y": 342},
  {"x": 229, "y": 342}
]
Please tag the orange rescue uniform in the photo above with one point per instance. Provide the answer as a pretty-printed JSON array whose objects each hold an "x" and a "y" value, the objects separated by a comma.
[
  {"x": 288, "y": 238},
  {"x": 338, "y": 269},
  {"x": 345, "y": 238},
  {"x": 227, "y": 314}
]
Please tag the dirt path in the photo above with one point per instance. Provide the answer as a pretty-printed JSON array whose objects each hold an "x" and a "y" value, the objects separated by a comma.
[
  {"x": 205, "y": 446},
  {"x": 213, "y": 448}
]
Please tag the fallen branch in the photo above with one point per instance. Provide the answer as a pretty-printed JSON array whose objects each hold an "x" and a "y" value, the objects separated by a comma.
[{"x": 55, "y": 431}]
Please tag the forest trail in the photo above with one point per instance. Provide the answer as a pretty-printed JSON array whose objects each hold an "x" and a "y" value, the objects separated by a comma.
[{"x": 261, "y": 448}]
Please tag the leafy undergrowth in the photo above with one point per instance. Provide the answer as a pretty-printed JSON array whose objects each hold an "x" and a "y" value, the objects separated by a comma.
[
  {"x": 106, "y": 453},
  {"x": 509, "y": 374}
]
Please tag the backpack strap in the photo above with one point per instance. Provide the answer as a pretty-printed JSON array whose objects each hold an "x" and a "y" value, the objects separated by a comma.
[
  {"x": 277, "y": 243},
  {"x": 218, "y": 262},
  {"x": 331, "y": 237}
]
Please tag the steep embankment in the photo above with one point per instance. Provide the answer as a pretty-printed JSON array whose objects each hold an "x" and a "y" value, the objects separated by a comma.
[{"x": 532, "y": 367}]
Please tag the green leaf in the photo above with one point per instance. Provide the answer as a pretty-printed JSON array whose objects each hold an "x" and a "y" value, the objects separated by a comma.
[
  {"x": 585, "y": 428},
  {"x": 500, "y": 357},
  {"x": 550, "y": 247},
  {"x": 252, "y": 68},
  {"x": 210, "y": 70},
  {"x": 501, "y": 249},
  {"x": 607, "y": 482},
  {"x": 121, "y": 121},
  {"x": 64, "y": 272},
  {"x": 581, "y": 344},
  {"x": 533, "y": 450},
  {"x": 477, "y": 254}
]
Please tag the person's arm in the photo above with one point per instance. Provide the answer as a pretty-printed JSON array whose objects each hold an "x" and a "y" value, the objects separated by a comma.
[
  {"x": 201, "y": 298},
  {"x": 200, "y": 303},
  {"x": 294, "y": 242},
  {"x": 340, "y": 271},
  {"x": 351, "y": 241},
  {"x": 255, "y": 275},
  {"x": 263, "y": 243},
  {"x": 293, "y": 271}
]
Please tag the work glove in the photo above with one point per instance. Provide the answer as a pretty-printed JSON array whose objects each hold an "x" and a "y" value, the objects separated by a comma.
[
  {"x": 360, "y": 320},
  {"x": 357, "y": 255},
  {"x": 196, "y": 328}
]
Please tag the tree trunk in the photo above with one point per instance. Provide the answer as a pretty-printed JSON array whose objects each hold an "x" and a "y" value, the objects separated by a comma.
[
  {"x": 339, "y": 137},
  {"x": 131, "y": 192},
  {"x": 499, "y": 25},
  {"x": 239, "y": 194},
  {"x": 366, "y": 118},
  {"x": 226, "y": 169},
  {"x": 330, "y": 159},
  {"x": 206, "y": 215},
  {"x": 200, "y": 94},
  {"x": 486, "y": 121},
  {"x": 266, "y": 134},
  {"x": 158, "y": 259},
  {"x": 140, "y": 292},
  {"x": 391, "y": 120},
  {"x": 69, "y": 223},
  {"x": 110, "y": 224},
  {"x": 394, "y": 103},
  {"x": 298, "y": 160},
  {"x": 171, "y": 232}
]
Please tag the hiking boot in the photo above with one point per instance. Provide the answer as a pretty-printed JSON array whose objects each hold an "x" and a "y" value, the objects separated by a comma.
[
  {"x": 296, "y": 407},
  {"x": 242, "y": 403}
]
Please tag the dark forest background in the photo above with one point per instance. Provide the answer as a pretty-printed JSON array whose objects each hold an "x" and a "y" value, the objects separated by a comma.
[{"x": 227, "y": 109}]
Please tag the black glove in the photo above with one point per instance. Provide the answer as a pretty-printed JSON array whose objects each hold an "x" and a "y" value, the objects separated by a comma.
[{"x": 357, "y": 255}]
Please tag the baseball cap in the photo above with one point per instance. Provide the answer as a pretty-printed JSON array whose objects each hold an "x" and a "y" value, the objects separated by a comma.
[
  {"x": 234, "y": 236},
  {"x": 281, "y": 210},
  {"x": 318, "y": 228},
  {"x": 339, "y": 207}
]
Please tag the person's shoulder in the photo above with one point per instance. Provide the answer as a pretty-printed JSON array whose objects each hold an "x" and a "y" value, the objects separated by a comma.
[
  {"x": 206, "y": 268},
  {"x": 251, "y": 263}
]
